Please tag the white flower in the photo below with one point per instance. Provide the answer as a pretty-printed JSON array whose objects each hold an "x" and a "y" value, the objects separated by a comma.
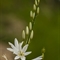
[
  {"x": 18, "y": 50},
  {"x": 38, "y": 58}
]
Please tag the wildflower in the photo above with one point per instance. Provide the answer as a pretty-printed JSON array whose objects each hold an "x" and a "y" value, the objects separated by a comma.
[
  {"x": 38, "y": 58},
  {"x": 18, "y": 50}
]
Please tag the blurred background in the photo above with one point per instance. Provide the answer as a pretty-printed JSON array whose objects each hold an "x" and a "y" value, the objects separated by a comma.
[{"x": 15, "y": 15}]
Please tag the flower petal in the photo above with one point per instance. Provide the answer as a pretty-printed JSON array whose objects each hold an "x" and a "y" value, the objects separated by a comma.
[
  {"x": 38, "y": 58},
  {"x": 16, "y": 42},
  {"x": 17, "y": 57},
  {"x": 27, "y": 53},
  {"x": 13, "y": 50},
  {"x": 10, "y": 49},
  {"x": 25, "y": 48},
  {"x": 11, "y": 45},
  {"x": 23, "y": 58},
  {"x": 20, "y": 45}
]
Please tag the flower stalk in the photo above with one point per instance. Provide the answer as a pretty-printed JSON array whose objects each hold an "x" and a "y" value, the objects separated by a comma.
[
  {"x": 33, "y": 15},
  {"x": 18, "y": 49}
]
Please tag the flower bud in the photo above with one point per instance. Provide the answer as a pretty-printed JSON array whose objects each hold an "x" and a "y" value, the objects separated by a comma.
[
  {"x": 30, "y": 25},
  {"x": 31, "y": 36},
  {"x": 31, "y": 13},
  {"x": 23, "y": 34},
  {"x": 37, "y": 10},
  {"x": 34, "y": 7},
  {"x": 36, "y": 2},
  {"x": 27, "y": 30}
]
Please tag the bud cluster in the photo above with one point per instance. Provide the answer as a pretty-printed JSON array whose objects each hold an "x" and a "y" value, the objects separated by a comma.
[
  {"x": 35, "y": 9},
  {"x": 18, "y": 49},
  {"x": 28, "y": 32}
]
